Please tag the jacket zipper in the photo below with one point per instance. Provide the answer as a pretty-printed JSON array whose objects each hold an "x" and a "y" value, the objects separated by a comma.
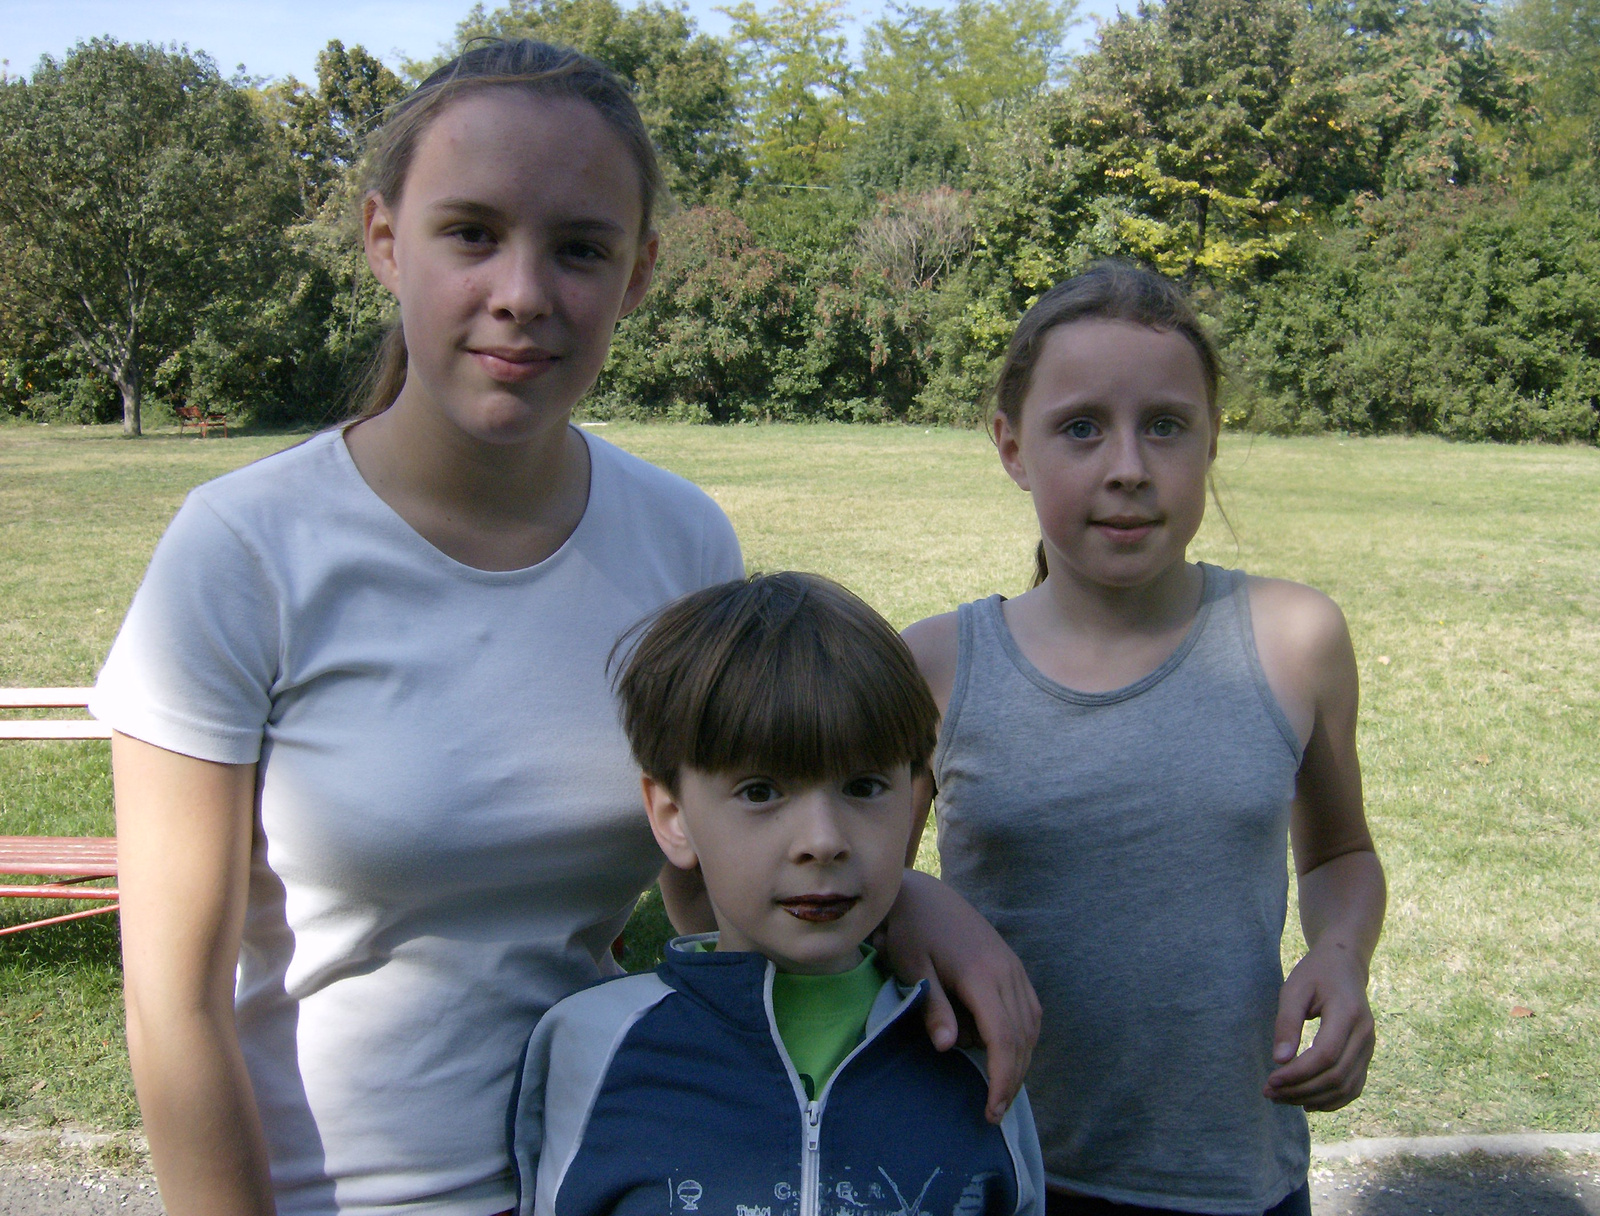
[
  {"x": 811, "y": 1162},
  {"x": 811, "y": 1109}
]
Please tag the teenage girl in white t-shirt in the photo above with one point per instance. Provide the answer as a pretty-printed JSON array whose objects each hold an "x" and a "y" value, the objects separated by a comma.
[{"x": 374, "y": 809}]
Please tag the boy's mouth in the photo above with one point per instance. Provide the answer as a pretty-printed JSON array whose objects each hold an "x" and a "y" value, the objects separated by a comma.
[{"x": 818, "y": 909}]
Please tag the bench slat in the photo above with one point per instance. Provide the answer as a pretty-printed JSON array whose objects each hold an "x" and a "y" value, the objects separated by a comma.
[
  {"x": 79, "y": 856},
  {"x": 45, "y": 729},
  {"x": 51, "y": 890},
  {"x": 44, "y": 698}
]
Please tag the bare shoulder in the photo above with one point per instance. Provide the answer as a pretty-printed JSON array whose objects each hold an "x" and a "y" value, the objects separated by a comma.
[
  {"x": 934, "y": 642},
  {"x": 1295, "y": 616},
  {"x": 1304, "y": 646}
]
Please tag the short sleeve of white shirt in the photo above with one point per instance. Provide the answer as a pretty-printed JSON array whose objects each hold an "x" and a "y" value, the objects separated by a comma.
[{"x": 450, "y": 832}]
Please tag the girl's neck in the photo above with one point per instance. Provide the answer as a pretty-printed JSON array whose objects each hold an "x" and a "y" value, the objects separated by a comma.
[
  {"x": 1106, "y": 613},
  {"x": 494, "y": 506},
  {"x": 1094, "y": 638}
]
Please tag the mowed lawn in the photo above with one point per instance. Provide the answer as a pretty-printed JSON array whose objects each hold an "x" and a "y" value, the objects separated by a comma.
[{"x": 1470, "y": 574}]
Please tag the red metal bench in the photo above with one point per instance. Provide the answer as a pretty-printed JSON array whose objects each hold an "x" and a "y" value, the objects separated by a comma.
[{"x": 68, "y": 861}]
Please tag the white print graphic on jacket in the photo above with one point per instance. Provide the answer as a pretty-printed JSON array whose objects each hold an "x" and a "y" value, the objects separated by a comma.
[{"x": 842, "y": 1198}]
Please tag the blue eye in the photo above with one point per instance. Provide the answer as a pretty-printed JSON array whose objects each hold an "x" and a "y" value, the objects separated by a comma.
[
  {"x": 1165, "y": 428},
  {"x": 1080, "y": 428}
]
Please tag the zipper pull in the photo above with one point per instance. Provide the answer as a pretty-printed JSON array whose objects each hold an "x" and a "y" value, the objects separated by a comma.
[{"x": 813, "y": 1118}]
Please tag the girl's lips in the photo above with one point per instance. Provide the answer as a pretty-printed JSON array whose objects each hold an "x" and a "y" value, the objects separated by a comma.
[
  {"x": 1124, "y": 532},
  {"x": 818, "y": 909},
  {"x": 514, "y": 366}
]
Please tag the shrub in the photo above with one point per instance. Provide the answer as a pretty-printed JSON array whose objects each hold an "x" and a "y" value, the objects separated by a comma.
[{"x": 1466, "y": 313}]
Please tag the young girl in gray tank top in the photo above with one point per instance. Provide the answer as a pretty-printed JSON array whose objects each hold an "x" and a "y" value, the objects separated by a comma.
[{"x": 1125, "y": 749}]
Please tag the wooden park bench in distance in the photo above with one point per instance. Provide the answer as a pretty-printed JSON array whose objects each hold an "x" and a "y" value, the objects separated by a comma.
[
  {"x": 201, "y": 420},
  {"x": 68, "y": 862}
]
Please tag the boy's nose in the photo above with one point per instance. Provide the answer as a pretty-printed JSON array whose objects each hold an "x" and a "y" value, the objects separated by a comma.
[{"x": 818, "y": 836}]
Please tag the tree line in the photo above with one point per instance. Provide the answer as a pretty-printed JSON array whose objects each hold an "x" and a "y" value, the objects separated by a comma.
[{"x": 1389, "y": 211}]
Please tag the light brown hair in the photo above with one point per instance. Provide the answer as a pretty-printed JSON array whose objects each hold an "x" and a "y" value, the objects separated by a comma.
[
  {"x": 1106, "y": 291},
  {"x": 535, "y": 67},
  {"x": 788, "y": 675}
]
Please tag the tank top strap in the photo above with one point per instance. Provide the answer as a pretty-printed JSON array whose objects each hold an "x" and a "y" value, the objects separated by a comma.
[{"x": 1231, "y": 637}]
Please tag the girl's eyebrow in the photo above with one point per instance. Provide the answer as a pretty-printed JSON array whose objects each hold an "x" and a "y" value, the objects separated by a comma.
[
  {"x": 472, "y": 208},
  {"x": 469, "y": 208}
]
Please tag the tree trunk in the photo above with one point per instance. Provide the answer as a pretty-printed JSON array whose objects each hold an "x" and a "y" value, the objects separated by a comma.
[
  {"x": 1202, "y": 208},
  {"x": 127, "y": 379}
]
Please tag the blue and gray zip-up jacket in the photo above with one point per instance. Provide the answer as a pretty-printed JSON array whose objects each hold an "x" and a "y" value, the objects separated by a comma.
[{"x": 671, "y": 1094}]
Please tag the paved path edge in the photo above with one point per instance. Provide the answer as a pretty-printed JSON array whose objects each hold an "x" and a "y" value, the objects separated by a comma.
[{"x": 1515, "y": 1144}]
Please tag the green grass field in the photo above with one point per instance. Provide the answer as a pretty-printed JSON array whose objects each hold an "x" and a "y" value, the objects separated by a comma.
[{"x": 1470, "y": 574}]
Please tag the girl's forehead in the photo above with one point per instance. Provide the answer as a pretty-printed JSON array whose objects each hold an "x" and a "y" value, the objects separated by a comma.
[
  {"x": 509, "y": 142},
  {"x": 1098, "y": 354}
]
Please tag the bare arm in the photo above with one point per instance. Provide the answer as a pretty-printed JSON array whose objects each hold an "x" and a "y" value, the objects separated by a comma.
[
  {"x": 1341, "y": 882},
  {"x": 184, "y": 830}
]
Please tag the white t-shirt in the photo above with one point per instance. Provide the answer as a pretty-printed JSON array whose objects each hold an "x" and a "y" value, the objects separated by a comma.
[{"x": 450, "y": 832}]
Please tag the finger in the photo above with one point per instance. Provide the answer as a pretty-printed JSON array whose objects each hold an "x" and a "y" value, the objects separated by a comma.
[
  {"x": 939, "y": 1016},
  {"x": 1294, "y": 1007},
  {"x": 1327, "y": 1048},
  {"x": 1007, "y": 1027},
  {"x": 1337, "y": 1084}
]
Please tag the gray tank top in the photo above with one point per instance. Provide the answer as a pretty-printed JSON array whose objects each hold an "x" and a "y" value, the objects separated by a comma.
[{"x": 1131, "y": 848}]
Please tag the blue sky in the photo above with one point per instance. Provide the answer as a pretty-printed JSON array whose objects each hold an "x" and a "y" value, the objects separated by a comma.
[{"x": 282, "y": 37}]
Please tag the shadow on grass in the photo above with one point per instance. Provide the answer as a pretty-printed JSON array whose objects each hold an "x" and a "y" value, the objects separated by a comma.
[
  {"x": 93, "y": 942},
  {"x": 1474, "y": 1185}
]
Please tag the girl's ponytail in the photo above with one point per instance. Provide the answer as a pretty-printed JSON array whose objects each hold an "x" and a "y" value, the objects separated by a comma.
[{"x": 384, "y": 378}]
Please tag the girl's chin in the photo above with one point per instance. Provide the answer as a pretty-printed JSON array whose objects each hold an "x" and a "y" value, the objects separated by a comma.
[{"x": 506, "y": 424}]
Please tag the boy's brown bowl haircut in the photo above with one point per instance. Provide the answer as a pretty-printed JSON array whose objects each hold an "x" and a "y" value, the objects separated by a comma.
[{"x": 788, "y": 675}]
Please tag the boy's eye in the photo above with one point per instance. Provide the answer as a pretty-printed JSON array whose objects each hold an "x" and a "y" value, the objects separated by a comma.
[
  {"x": 1080, "y": 428},
  {"x": 758, "y": 792},
  {"x": 1165, "y": 428},
  {"x": 865, "y": 787},
  {"x": 584, "y": 251}
]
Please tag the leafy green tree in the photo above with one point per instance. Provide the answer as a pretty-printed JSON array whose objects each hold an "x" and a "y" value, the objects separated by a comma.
[
  {"x": 1564, "y": 36},
  {"x": 1201, "y": 135},
  {"x": 1213, "y": 127},
  {"x": 937, "y": 84},
  {"x": 796, "y": 82},
  {"x": 984, "y": 59},
  {"x": 136, "y": 187},
  {"x": 685, "y": 84},
  {"x": 323, "y": 128},
  {"x": 1436, "y": 99},
  {"x": 720, "y": 337}
]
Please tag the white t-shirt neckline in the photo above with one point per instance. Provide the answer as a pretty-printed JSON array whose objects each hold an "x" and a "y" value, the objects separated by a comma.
[{"x": 414, "y": 539}]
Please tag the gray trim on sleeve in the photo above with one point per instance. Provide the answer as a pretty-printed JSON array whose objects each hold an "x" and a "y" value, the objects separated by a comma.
[{"x": 562, "y": 1075}]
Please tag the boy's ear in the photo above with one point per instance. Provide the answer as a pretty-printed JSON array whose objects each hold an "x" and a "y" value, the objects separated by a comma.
[{"x": 666, "y": 821}]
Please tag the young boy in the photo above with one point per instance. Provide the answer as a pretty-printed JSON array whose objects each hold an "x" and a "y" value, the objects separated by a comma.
[{"x": 769, "y": 1069}]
